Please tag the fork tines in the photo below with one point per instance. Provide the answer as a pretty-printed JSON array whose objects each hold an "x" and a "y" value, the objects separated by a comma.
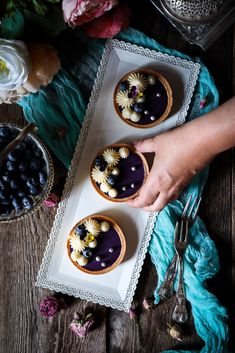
[{"x": 190, "y": 213}]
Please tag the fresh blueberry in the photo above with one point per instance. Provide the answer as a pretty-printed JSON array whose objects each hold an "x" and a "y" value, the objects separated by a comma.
[
  {"x": 100, "y": 162},
  {"x": 21, "y": 193},
  {"x": 7, "y": 176},
  {"x": 2, "y": 185},
  {"x": 23, "y": 166},
  {"x": 112, "y": 179},
  {"x": 34, "y": 164},
  {"x": 87, "y": 252},
  {"x": 103, "y": 167},
  {"x": 133, "y": 92},
  {"x": 42, "y": 178},
  {"x": 27, "y": 154},
  {"x": 5, "y": 131},
  {"x": 14, "y": 133},
  {"x": 6, "y": 201},
  {"x": 27, "y": 202},
  {"x": 138, "y": 108},
  {"x": 81, "y": 231},
  {"x": 21, "y": 147},
  {"x": 38, "y": 153},
  {"x": 14, "y": 155},
  {"x": 16, "y": 203},
  {"x": 124, "y": 85},
  {"x": 34, "y": 190},
  {"x": 15, "y": 184},
  {"x": 24, "y": 176},
  {"x": 31, "y": 181},
  {"x": 11, "y": 166},
  {"x": 3, "y": 194}
]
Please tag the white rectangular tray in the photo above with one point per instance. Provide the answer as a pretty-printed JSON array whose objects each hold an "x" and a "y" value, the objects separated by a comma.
[{"x": 101, "y": 127}]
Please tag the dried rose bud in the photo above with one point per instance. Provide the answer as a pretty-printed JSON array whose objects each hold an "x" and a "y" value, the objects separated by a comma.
[
  {"x": 148, "y": 303},
  {"x": 203, "y": 103},
  {"x": 51, "y": 201},
  {"x": 133, "y": 314},
  {"x": 176, "y": 332},
  {"x": 81, "y": 325},
  {"x": 49, "y": 306}
]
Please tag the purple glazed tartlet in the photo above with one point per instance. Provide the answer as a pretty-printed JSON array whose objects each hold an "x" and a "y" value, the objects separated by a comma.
[
  {"x": 118, "y": 172},
  {"x": 96, "y": 244},
  {"x": 143, "y": 98}
]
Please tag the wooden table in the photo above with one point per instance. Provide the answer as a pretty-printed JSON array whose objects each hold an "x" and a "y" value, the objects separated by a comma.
[{"x": 23, "y": 330}]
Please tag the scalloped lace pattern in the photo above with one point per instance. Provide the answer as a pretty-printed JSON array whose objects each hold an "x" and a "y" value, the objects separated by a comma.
[{"x": 43, "y": 275}]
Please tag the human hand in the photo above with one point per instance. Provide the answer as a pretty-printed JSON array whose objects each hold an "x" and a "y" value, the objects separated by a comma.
[{"x": 179, "y": 155}]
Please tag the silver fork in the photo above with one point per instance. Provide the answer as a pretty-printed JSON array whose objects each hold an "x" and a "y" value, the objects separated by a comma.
[
  {"x": 166, "y": 289},
  {"x": 180, "y": 313}
]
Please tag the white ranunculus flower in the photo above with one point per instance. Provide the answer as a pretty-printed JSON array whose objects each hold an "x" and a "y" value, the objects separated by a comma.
[{"x": 14, "y": 64}]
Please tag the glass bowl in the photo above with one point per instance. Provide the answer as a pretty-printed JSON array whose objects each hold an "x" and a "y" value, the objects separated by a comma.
[{"x": 26, "y": 175}]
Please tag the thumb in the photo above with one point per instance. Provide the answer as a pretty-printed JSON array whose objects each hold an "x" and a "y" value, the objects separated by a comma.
[{"x": 147, "y": 145}]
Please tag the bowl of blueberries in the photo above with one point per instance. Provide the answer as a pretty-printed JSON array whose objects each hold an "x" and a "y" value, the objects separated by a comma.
[{"x": 26, "y": 174}]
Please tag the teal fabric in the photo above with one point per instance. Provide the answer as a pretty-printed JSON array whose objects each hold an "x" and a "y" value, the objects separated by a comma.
[
  {"x": 52, "y": 109},
  {"x": 58, "y": 107}
]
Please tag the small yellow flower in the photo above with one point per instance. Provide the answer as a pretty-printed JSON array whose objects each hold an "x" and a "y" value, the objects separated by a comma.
[{"x": 89, "y": 238}]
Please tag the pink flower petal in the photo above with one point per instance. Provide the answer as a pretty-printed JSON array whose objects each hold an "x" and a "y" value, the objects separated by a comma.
[
  {"x": 109, "y": 24},
  {"x": 77, "y": 12}
]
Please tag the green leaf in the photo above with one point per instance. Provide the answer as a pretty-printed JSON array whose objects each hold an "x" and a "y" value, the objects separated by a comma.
[
  {"x": 10, "y": 6},
  {"x": 40, "y": 8},
  {"x": 54, "y": 1},
  {"x": 12, "y": 26},
  {"x": 42, "y": 28}
]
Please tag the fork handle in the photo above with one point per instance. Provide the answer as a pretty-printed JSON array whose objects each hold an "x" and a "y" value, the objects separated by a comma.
[
  {"x": 26, "y": 130},
  {"x": 166, "y": 288},
  {"x": 180, "y": 313}
]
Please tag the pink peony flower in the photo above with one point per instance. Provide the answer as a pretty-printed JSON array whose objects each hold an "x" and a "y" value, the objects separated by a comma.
[
  {"x": 109, "y": 24},
  {"x": 81, "y": 326},
  {"x": 52, "y": 200},
  {"x": 77, "y": 12},
  {"x": 49, "y": 306}
]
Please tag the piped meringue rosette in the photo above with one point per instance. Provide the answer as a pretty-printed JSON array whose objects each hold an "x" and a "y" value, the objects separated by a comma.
[
  {"x": 143, "y": 98},
  {"x": 118, "y": 172},
  {"x": 96, "y": 244}
]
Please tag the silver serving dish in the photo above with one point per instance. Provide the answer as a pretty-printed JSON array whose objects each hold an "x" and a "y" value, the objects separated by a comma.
[
  {"x": 193, "y": 11},
  {"x": 46, "y": 188}
]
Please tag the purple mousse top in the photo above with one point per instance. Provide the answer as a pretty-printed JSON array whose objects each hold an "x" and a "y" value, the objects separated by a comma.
[
  {"x": 105, "y": 241},
  {"x": 131, "y": 176}
]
